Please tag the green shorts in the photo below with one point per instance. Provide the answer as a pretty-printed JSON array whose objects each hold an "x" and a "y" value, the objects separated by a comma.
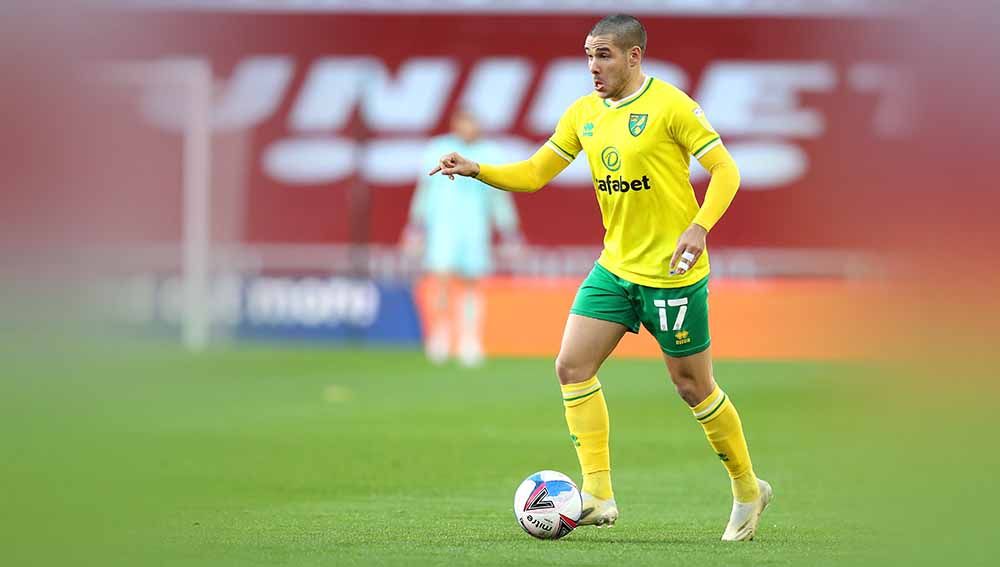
[{"x": 676, "y": 317}]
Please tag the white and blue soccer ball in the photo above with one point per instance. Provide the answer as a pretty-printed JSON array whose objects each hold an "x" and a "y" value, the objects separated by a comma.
[{"x": 547, "y": 505}]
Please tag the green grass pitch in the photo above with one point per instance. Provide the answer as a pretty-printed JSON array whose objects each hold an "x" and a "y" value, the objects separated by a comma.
[{"x": 274, "y": 456}]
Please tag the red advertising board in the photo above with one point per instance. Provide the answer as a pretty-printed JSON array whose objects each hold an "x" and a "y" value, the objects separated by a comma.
[{"x": 808, "y": 106}]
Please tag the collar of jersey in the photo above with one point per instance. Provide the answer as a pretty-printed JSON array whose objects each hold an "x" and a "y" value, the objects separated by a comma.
[{"x": 632, "y": 97}]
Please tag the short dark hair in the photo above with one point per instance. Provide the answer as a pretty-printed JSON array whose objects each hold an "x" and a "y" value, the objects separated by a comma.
[{"x": 626, "y": 30}]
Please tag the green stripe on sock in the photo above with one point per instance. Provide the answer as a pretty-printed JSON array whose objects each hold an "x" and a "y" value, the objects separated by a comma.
[
  {"x": 583, "y": 396},
  {"x": 711, "y": 413}
]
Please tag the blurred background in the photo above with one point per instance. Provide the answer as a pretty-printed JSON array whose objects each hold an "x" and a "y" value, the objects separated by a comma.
[
  {"x": 250, "y": 165},
  {"x": 234, "y": 178}
]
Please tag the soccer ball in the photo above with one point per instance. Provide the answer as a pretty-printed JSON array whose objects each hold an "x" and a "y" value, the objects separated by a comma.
[{"x": 547, "y": 505}]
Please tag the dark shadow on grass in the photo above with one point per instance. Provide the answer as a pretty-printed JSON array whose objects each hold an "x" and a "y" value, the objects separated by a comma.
[
  {"x": 667, "y": 540},
  {"x": 598, "y": 540}
]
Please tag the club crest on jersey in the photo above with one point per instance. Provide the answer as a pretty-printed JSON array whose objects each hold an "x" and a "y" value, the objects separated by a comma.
[{"x": 637, "y": 123}]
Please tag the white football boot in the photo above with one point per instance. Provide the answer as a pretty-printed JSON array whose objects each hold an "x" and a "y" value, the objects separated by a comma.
[
  {"x": 470, "y": 352},
  {"x": 438, "y": 345},
  {"x": 744, "y": 518},
  {"x": 597, "y": 512},
  {"x": 470, "y": 348}
]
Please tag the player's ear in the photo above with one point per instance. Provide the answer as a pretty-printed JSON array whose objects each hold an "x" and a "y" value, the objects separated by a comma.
[{"x": 635, "y": 55}]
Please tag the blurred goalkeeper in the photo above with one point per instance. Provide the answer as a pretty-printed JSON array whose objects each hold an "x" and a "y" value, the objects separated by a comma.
[{"x": 454, "y": 228}]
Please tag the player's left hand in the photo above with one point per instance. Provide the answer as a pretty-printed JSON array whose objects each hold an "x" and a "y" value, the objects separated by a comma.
[{"x": 690, "y": 246}]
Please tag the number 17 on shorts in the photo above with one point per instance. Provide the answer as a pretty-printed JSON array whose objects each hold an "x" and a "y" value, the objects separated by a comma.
[{"x": 678, "y": 318}]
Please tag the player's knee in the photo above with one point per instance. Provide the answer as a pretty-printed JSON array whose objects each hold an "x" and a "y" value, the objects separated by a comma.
[
  {"x": 688, "y": 387},
  {"x": 572, "y": 372},
  {"x": 689, "y": 392}
]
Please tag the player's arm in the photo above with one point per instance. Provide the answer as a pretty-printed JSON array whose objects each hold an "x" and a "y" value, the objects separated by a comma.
[
  {"x": 691, "y": 129},
  {"x": 525, "y": 176},
  {"x": 725, "y": 181},
  {"x": 722, "y": 187}
]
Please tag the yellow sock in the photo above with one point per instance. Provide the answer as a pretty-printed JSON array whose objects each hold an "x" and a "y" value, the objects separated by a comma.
[
  {"x": 721, "y": 422},
  {"x": 587, "y": 418}
]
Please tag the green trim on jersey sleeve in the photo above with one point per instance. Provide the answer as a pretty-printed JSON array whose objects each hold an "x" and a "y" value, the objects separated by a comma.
[
  {"x": 562, "y": 153},
  {"x": 710, "y": 143}
]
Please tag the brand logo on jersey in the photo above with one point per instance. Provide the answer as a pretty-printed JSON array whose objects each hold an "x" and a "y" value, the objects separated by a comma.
[
  {"x": 588, "y": 129},
  {"x": 637, "y": 123},
  {"x": 622, "y": 185},
  {"x": 611, "y": 159}
]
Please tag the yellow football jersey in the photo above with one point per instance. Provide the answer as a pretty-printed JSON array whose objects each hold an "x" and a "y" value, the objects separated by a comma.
[{"x": 639, "y": 150}]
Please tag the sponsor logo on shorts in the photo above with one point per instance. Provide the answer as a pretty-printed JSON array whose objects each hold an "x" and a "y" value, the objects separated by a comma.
[{"x": 682, "y": 338}]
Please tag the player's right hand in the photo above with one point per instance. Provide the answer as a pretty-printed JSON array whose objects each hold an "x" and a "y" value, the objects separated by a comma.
[{"x": 453, "y": 164}]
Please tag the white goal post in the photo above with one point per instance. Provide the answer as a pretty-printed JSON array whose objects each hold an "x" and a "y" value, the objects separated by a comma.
[{"x": 193, "y": 79}]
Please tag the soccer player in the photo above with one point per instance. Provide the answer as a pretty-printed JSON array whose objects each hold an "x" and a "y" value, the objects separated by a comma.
[
  {"x": 454, "y": 228},
  {"x": 638, "y": 134}
]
